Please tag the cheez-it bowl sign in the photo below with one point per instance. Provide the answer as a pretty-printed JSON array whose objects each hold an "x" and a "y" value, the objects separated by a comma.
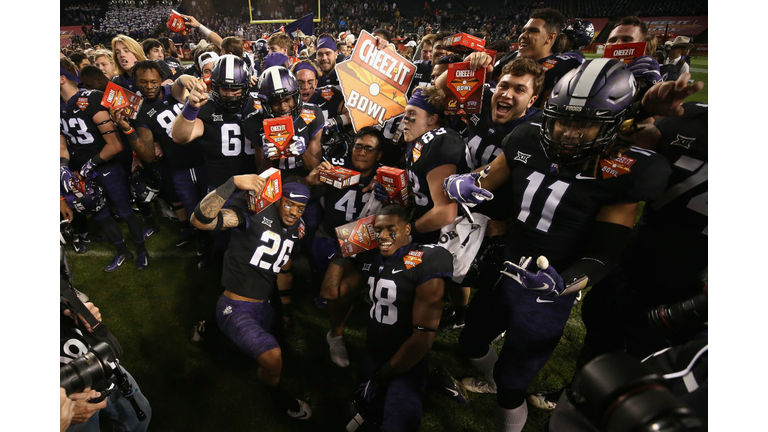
[{"x": 374, "y": 82}]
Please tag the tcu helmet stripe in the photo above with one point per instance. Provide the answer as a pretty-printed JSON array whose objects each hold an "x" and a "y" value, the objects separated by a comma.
[
  {"x": 587, "y": 81},
  {"x": 229, "y": 70},
  {"x": 277, "y": 82}
]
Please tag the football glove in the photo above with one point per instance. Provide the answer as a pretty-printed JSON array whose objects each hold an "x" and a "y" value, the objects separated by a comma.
[
  {"x": 546, "y": 280},
  {"x": 366, "y": 391},
  {"x": 645, "y": 68},
  {"x": 298, "y": 146},
  {"x": 87, "y": 171},
  {"x": 66, "y": 176},
  {"x": 380, "y": 193},
  {"x": 462, "y": 188},
  {"x": 330, "y": 125},
  {"x": 269, "y": 149}
]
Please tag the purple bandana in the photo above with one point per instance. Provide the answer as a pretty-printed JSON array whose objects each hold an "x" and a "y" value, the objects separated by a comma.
[
  {"x": 420, "y": 101},
  {"x": 296, "y": 192}
]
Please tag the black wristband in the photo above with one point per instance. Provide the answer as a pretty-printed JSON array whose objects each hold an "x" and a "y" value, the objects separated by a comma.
[
  {"x": 201, "y": 217},
  {"x": 227, "y": 189},
  {"x": 219, "y": 222},
  {"x": 97, "y": 160},
  {"x": 63, "y": 161}
]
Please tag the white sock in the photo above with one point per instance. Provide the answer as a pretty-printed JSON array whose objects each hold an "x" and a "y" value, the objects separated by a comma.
[
  {"x": 485, "y": 364},
  {"x": 339, "y": 354},
  {"x": 511, "y": 420}
]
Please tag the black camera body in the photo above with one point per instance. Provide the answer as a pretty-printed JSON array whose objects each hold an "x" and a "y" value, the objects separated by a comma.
[{"x": 88, "y": 369}]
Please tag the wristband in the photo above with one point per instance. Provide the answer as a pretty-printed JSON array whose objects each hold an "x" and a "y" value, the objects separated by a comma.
[
  {"x": 130, "y": 131},
  {"x": 177, "y": 82},
  {"x": 96, "y": 159},
  {"x": 61, "y": 198},
  {"x": 204, "y": 30},
  {"x": 189, "y": 112},
  {"x": 63, "y": 161},
  {"x": 227, "y": 189}
]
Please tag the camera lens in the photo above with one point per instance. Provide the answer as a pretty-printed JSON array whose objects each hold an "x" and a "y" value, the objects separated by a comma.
[{"x": 86, "y": 370}]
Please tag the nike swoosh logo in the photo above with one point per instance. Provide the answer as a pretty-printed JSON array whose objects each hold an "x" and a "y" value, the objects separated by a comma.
[
  {"x": 122, "y": 260},
  {"x": 300, "y": 130},
  {"x": 75, "y": 111},
  {"x": 458, "y": 183},
  {"x": 581, "y": 177},
  {"x": 294, "y": 236},
  {"x": 453, "y": 392},
  {"x": 539, "y": 300},
  {"x": 331, "y": 256},
  {"x": 107, "y": 173},
  {"x": 396, "y": 271},
  {"x": 297, "y": 195}
]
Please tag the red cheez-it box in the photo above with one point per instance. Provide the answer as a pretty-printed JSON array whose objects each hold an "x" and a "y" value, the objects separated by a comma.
[
  {"x": 466, "y": 85},
  {"x": 463, "y": 43},
  {"x": 395, "y": 182},
  {"x": 279, "y": 132},
  {"x": 627, "y": 52},
  {"x": 340, "y": 177},
  {"x": 116, "y": 97},
  {"x": 357, "y": 236},
  {"x": 272, "y": 192}
]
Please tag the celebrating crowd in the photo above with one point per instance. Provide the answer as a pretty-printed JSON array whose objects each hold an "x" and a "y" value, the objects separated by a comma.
[{"x": 509, "y": 215}]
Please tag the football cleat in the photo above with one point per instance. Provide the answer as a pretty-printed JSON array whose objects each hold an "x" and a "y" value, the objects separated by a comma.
[
  {"x": 185, "y": 236},
  {"x": 151, "y": 230},
  {"x": 142, "y": 261},
  {"x": 439, "y": 379},
  {"x": 79, "y": 246},
  {"x": 339, "y": 354},
  {"x": 304, "y": 412},
  {"x": 478, "y": 385},
  {"x": 118, "y": 261},
  {"x": 450, "y": 323}
]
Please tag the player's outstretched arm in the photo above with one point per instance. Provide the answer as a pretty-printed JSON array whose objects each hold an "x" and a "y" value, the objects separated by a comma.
[
  {"x": 205, "y": 31},
  {"x": 210, "y": 216},
  {"x": 666, "y": 98},
  {"x": 427, "y": 308},
  {"x": 187, "y": 126}
]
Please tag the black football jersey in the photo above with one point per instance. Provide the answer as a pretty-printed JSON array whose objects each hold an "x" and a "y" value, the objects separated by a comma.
[
  {"x": 226, "y": 149},
  {"x": 125, "y": 82},
  {"x": 76, "y": 123},
  {"x": 306, "y": 125},
  {"x": 551, "y": 212},
  {"x": 158, "y": 116},
  {"x": 422, "y": 77},
  {"x": 392, "y": 287},
  {"x": 484, "y": 145},
  {"x": 672, "y": 235},
  {"x": 556, "y": 66},
  {"x": 257, "y": 250},
  {"x": 328, "y": 99},
  {"x": 330, "y": 79},
  {"x": 344, "y": 205},
  {"x": 440, "y": 146},
  {"x": 176, "y": 67}
]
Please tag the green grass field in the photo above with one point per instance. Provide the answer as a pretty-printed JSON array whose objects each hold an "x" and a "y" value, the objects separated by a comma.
[{"x": 212, "y": 386}]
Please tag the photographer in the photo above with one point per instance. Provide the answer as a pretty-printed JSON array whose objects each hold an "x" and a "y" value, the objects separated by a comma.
[{"x": 76, "y": 340}]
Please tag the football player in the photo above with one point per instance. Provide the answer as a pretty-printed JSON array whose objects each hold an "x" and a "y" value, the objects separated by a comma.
[
  {"x": 326, "y": 60},
  {"x": 280, "y": 95},
  {"x": 161, "y": 106},
  {"x": 645, "y": 68},
  {"x": 257, "y": 261},
  {"x": 667, "y": 261},
  {"x": 576, "y": 183},
  {"x": 217, "y": 126},
  {"x": 504, "y": 108},
  {"x": 88, "y": 143},
  {"x": 578, "y": 33},
  {"x": 406, "y": 283},
  {"x": 342, "y": 206}
]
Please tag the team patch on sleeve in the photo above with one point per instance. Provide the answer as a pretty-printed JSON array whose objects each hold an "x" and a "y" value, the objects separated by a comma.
[
  {"x": 82, "y": 103},
  {"x": 412, "y": 259},
  {"x": 416, "y": 151},
  {"x": 549, "y": 64},
  {"x": 308, "y": 115},
  {"x": 302, "y": 229},
  {"x": 617, "y": 166},
  {"x": 256, "y": 104}
]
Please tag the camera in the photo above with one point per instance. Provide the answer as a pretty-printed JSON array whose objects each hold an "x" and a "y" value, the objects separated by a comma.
[
  {"x": 618, "y": 393},
  {"x": 88, "y": 369},
  {"x": 685, "y": 316}
]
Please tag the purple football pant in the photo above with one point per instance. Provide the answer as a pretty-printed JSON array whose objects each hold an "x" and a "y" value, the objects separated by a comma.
[
  {"x": 191, "y": 186},
  {"x": 248, "y": 324},
  {"x": 402, "y": 401}
]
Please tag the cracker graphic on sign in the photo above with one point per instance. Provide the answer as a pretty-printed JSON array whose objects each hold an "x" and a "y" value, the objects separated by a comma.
[{"x": 374, "y": 82}]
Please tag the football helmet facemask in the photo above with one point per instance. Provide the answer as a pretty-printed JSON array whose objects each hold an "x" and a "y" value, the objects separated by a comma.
[
  {"x": 277, "y": 83},
  {"x": 229, "y": 72},
  {"x": 580, "y": 31},
  {"x": 86, "y": 196},
  {"x": 585, "y": 110},
  {"x": 145, "y": 184}
]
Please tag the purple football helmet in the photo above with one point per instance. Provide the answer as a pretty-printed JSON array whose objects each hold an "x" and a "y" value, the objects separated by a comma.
[
  {"x": 580, "y": 31},
  {"x": 86, "y": 196},
  {"x": 593, "y": 98},
  {"x": 277, "y": 83},
  {"x": 260, "y": 48},
  {"x": 229, "y": 72},
  {"x": 145, "y": 184}
]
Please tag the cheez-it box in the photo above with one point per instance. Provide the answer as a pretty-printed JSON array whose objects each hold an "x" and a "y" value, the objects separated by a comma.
[
  {"x": 463, "y": 43},
  {"x": 339, "y": 177},
  {"x": 466, "y": 89},
  {"x": 357, "y": 236},
  {"x": 627, "y": 52},
  {"x": 395, "y": 181},
  {"x": 272, "y": 192},
  {"x": 279, "y": 132},
  {"x": 116, "y": 97}
]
